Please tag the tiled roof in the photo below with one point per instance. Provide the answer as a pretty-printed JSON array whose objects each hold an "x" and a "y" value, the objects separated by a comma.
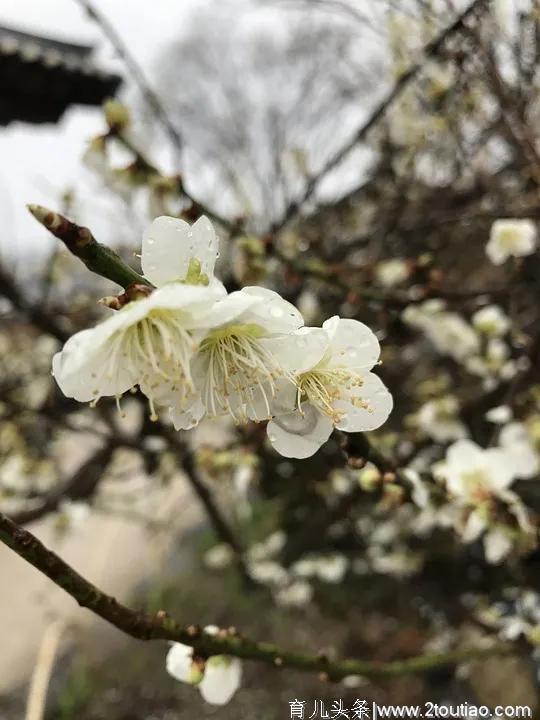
[{"x": 41, "y": 77}]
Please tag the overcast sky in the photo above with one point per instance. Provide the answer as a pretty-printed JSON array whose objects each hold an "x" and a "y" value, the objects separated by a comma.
[{"x": 38, "y": 162}]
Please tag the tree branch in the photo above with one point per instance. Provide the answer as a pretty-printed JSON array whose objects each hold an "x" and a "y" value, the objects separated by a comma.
[
  {"x": 136, "y": 71},
  {"x": 80, "y": 242},
  {"x": 143, "y": 626}
]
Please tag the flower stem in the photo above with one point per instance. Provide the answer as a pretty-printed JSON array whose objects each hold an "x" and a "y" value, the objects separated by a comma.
[{"x": 98, "y": 258}]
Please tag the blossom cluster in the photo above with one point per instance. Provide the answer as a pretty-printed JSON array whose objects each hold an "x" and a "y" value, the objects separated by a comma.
[{"x": 196, "y": 351}]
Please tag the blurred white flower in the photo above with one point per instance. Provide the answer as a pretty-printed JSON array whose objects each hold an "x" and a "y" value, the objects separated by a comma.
[
  {"x": 495, "y": 365},
  {"x": 499, "y": 415},
  {"x": 439, "y": 419},
  {"x": 447, "y": 331},
  {"x": 476, "y": 479},
  {"x": 497, "y": 545},
  {"x": 269, "y": 547},
  {"x": 331, "y": 568},
  {"x": 217, "y": 679},
  {"x": 400, "y": 563},
  {"x": 309, "y": 305},
  {"x": 218, "y": 557},
  {"x": 335, "y": 387},
  {"x": 268, "y": 572},
  {"x": 298, "y": 594},
  {"x": 389, "y": 273},
  {"x": 74, "y": 512},
  {"x": 491, "y": 320},
  {"x": 511, "y": 237},
  {"x": 518, "y": 445},
  {"x": 327, "y": 568},
  {"x": 473, "y": 475}
]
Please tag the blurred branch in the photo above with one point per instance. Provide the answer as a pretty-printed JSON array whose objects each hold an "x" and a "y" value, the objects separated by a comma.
[
  {"x": 81, "y": 486},
  {"x": 80, "y": 242},
  {"x": 35, "y": 314},
  {"x": 429, "y": 52},
  {"x": 144, "y": 164},
  {"x": 136, "y": 71},
  {"x": 219, "y": 522},
  {"x": 143, "y": 626}
]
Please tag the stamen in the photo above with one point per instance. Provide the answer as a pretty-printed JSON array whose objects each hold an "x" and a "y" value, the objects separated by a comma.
[
  {"x": 324, "y": 385},
  {"x": 239, "y": 366}
]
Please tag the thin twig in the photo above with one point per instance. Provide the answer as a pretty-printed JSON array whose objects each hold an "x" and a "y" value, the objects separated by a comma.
[{"x": 136, "y": 71}]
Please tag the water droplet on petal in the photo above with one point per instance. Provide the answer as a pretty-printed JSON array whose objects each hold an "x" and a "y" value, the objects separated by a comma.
[
  {"x": 150, "y": 241},
  {"x": 276, "y": 312}
]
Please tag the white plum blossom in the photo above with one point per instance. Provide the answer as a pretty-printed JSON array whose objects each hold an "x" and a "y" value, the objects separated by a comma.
[
  {"x": 238, "y": 367},
  {"x": 331, "y": 568},
  {"x": 476, "y": 480},
  {"x": 449, "y": 333},
  {"x": 491, "y": 321},
  {"x": 497, "y": 545},
  {"x": 334, "y": 386},
  {"x": 269, "y": 547},
  {"x": 494, "y": 365},
  {"x": 217, "y": 678},
  {"x": 194, "y": 350},
  {"x": 517, "y": 444},
  {"x": 151, "y": 341},
  {"x": 268, "y": 572},
  {"x": 499, "y": 415},
  {"x": 218, "y": 557},
  {"x": 327, "y": 568},
  {"x": 389, "y": 273},
  {"x": 439, "y": 419},
  {"x": 298, "y": 594},
  {"x": 474, "y": 475},
  {"x": 511, "y": 237}
]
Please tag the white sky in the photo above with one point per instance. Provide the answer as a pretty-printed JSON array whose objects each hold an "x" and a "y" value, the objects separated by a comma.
[{"x": 38, "y": 162}]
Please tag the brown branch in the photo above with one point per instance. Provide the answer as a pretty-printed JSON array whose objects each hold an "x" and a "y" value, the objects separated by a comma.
[
  {"x": 82, "y": 485},
  {"x": 143, "y": 626}
]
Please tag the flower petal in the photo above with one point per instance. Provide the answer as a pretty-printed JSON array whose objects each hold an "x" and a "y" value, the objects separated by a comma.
[
  {"x": 222, "y": 677},
  {"x": 88, "y": 367},
  {"x": 299, "y": 351},
  {"x": 272, "y": 312},
  {"x": 353, "y": 344},
  {"x": 185, "y": 419},
  {"x": 301, "y": 433},
  {"x": 179, "y": 661},
  {"x": 497, "y": 545},
  {"x": 378, "y": 401},
  {"x": 166, "y": 250}
]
